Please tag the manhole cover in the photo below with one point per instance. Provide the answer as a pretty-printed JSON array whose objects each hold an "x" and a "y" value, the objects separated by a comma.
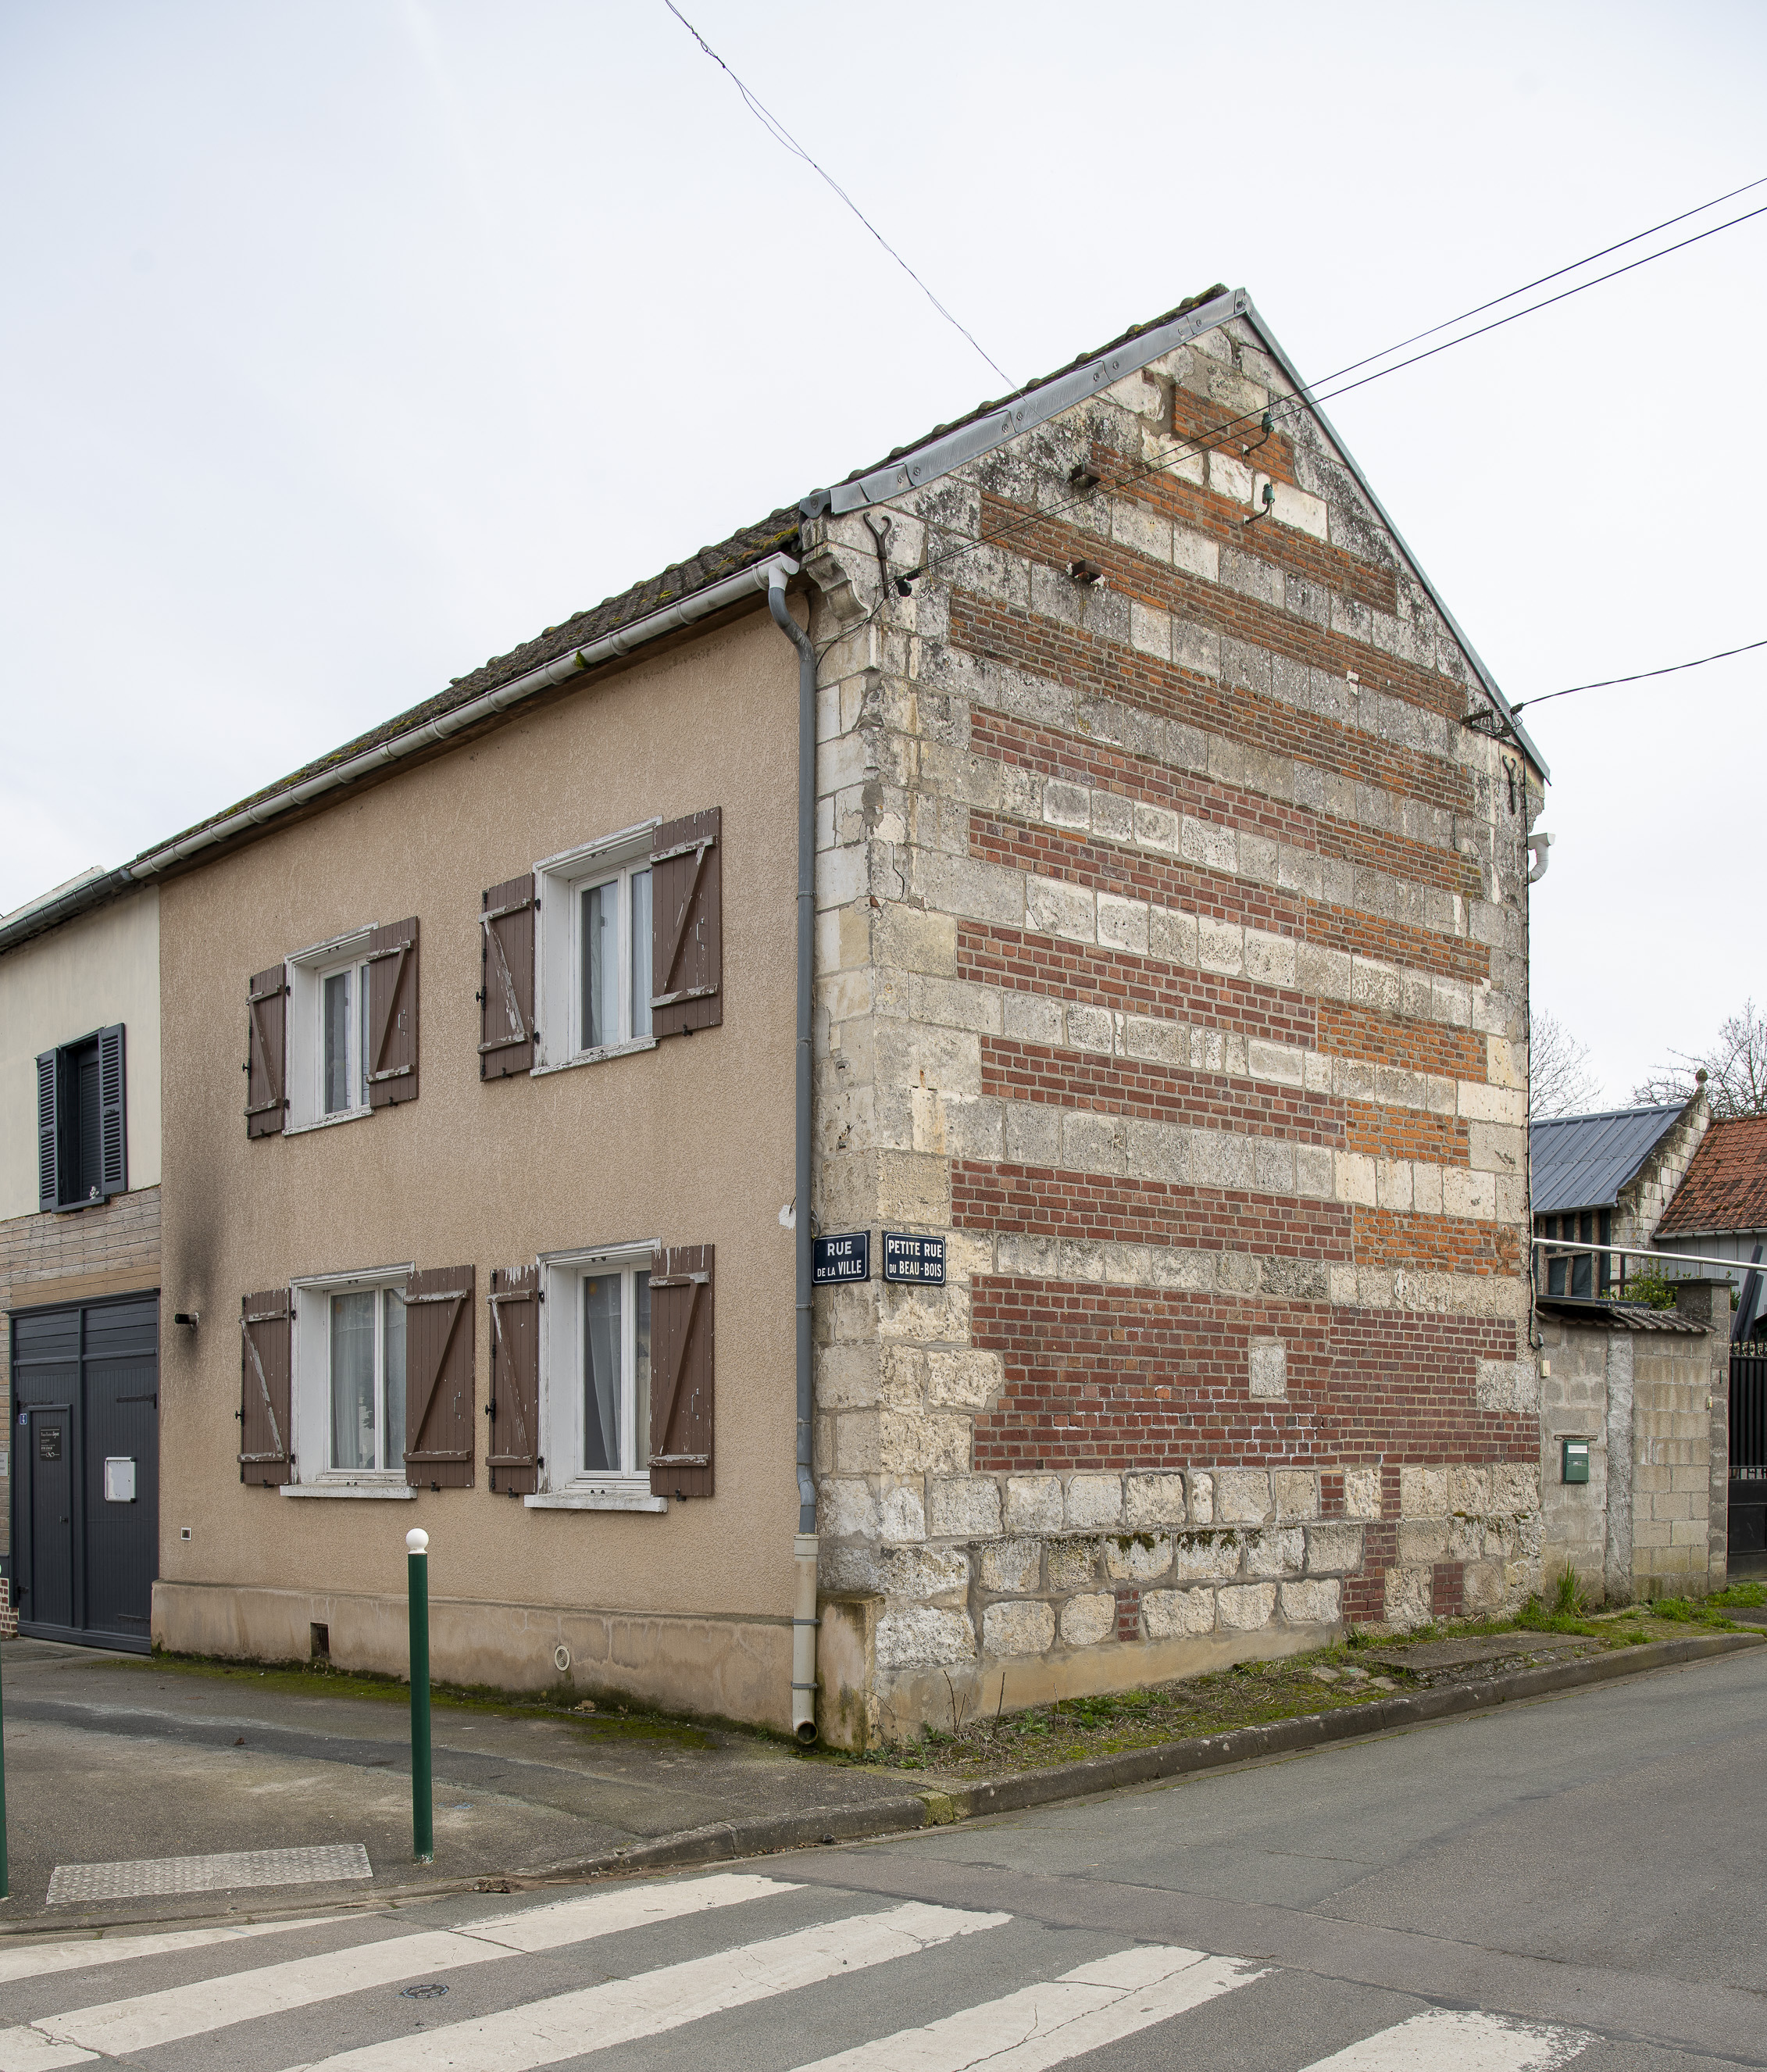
[{"x": 433, "y": 1990}]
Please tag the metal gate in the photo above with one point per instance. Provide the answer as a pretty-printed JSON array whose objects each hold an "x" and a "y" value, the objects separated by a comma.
[
  {"x": 1748, "y": 1532},
  {"x": 85, "y": 1482}
]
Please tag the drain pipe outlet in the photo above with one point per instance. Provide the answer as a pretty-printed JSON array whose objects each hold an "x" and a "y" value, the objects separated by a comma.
[{"x": 803, "y": 1609}]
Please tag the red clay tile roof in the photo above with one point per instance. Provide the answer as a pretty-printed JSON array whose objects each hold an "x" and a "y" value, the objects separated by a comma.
[{"x": 1725, "y": 1187}]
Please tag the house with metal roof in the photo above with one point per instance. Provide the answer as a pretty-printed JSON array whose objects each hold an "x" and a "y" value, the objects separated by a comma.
[{"x": 1606, "y": 1179}]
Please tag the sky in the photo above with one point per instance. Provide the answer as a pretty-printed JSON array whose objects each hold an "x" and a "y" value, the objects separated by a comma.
[{"x": 345, "y": 345}]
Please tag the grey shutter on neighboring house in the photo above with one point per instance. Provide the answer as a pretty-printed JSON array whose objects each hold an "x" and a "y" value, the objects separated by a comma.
[
  {"x": 266, "y": 1051},
  {"x": 265, "y": 1365},
  {"x": 439, "y": 1339},
  {"x": 48, "y": 1129},
  {"x": 113, "y": 1131},
  {"x": 505, "y": 989},
  {"x": 393, "y": 1013},
  {"x": 681, "y": 1372},
  {"x": 515, "y": 1459},
  {"x": 687, "y": 924}
]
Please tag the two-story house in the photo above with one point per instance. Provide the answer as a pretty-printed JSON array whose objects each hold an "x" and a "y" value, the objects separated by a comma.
[
  {"x": 1067, "y": 882},
  {"x": 80, "y": 1257}
]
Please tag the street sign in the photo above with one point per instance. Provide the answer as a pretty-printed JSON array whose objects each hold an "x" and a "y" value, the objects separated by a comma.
[
  {"x": 844, "y": 1256},
  {"x": 918, "y": 1259}
]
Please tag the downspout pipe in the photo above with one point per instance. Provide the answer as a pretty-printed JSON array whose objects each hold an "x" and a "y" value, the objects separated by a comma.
[{"x": 803, "y": 1613}]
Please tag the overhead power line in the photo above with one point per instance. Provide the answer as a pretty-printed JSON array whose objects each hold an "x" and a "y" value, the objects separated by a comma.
[
  {"x": 1183, "y": 448},
  {"x": 1643, "y": 676},
  {"x": 780, "y": 134}
]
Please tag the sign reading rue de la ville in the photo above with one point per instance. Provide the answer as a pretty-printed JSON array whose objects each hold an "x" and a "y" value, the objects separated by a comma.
[
  {"x": 909, "y": 1258},
  {"x": 844, "y": 1256}
]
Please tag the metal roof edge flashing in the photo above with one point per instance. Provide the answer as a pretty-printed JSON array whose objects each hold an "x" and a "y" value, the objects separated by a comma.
[
  {"x": 924, "y": 464},
  {"x": 699, "y": 604},
  {"x": 1487, "y": 681},
  {"x": 38, "y": 917}
]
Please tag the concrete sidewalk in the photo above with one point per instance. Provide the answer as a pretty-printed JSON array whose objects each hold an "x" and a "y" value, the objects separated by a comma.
[
  {"x": 114, "y": 1757},
  {"x": 117, "y": 1759}
]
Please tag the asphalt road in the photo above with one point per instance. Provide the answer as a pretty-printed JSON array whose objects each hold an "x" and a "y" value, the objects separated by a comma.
[{"x": 1574, "y": 1881}]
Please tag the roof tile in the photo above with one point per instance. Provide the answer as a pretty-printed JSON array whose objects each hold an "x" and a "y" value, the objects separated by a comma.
[{"x": 1725, "y": 1186}]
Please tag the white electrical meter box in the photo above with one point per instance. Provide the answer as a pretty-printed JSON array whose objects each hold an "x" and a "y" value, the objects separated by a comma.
[{"x": 119, "y": 1480}]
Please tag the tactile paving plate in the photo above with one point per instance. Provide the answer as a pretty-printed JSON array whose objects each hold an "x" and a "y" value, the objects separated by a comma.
[{"x": 155, "y": 1876}]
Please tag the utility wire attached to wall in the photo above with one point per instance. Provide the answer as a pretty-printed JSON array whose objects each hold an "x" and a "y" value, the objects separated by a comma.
[
  {"x": 777, "y": 129},
  {"x": 1674, "y": 669}
]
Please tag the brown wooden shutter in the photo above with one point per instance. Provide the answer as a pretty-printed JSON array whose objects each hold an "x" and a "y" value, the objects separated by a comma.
[
  {"x": 266, "y": 1053},
  {"x": 681, "y": 1372},
  {"x": 393, "y": 1013},
  {"x": 506, "y": 988},
  {"x": 264, "y": 1364},
  {"x": 687, "y": 924},
  {"x": 516, "y": 1457},
  {"x": 439, "y": 1344}
]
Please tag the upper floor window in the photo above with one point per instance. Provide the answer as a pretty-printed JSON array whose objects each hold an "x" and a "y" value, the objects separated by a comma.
[
  {"x": 82, "y": 1135},
  {"x": 332, "y": 1032},
  {"x": 341, "y": 1050},
  {"x": 603, "y": 949},
  {"x": 592, "y": 943}
]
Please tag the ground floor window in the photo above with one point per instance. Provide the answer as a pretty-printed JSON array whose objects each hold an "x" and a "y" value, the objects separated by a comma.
[
  {"x": 349, "y": 1383},
  {"x": 367, "y": 1380},
  {"x": 595, "y": 1381}
]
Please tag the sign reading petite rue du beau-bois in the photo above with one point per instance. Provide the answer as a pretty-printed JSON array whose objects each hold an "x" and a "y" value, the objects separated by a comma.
[
  {"x": 909, "y": 1258},
  {"x": 844, "y": 1256}
]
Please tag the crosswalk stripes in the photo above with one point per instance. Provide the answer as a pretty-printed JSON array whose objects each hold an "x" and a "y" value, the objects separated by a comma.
[
  {"x": 624, "y": 2010},
  {"x": 1082, "y": 2010},
  {"x": 1459, "y": 2039},
  {"x": 1038, "y": 2026},
  {"x": 85, "y": 1953},
  {"x": 119, "y": 2027}
]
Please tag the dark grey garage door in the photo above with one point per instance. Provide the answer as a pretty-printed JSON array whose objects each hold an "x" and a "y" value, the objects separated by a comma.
[{"x": 85, "y": 1480}]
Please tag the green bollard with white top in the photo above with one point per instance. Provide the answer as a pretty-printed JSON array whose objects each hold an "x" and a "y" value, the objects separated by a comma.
[{"x": 423, "y": 1821}]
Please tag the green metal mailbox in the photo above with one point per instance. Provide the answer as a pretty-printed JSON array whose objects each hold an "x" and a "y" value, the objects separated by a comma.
[{"x": 1575, "y": 1459}]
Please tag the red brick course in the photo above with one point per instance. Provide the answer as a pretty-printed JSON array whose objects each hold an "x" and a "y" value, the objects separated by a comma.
[
  {"x": 1417, "y": 1046},
  {"x": 1114, "y": 1378},
  {"x": 1085, "y": 974},
  {"x": 1100, "y": 1208},
  {"x": 1075, "y": 759},
  {"x": 1002, "y": 633},
  {"x": 1154, "y": 1093}
]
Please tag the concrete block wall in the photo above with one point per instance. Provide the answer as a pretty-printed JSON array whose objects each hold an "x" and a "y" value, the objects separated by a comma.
[
  {"x": 1171, "y": 962},
  {"x": 1653, "y": 1404}
]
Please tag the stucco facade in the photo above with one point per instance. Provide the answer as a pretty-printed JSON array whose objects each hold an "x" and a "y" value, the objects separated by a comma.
[{"x": 688, "y": 1142}]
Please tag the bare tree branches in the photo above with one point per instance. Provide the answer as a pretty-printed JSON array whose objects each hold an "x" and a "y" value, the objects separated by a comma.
[
  {"x": 1560, "y": 1079},
  {"x": 1734, "y": 1070}
]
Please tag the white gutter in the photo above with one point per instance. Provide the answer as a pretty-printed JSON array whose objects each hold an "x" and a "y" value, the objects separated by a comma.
[{"x": 700, "y": 604}]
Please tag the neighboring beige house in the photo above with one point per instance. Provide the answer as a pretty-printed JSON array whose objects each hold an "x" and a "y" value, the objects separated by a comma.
[
  {"x": 1102, "y": 931},
  {"x": 79, "y": 1159}
]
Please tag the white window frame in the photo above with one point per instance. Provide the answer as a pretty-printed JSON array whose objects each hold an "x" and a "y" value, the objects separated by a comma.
[
  {"x": 306, "y": 972},
  {"x": 560, "y": 881},
  {"x": 310, "y": 1395},
  {"x": 565, "y": 1486}
]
